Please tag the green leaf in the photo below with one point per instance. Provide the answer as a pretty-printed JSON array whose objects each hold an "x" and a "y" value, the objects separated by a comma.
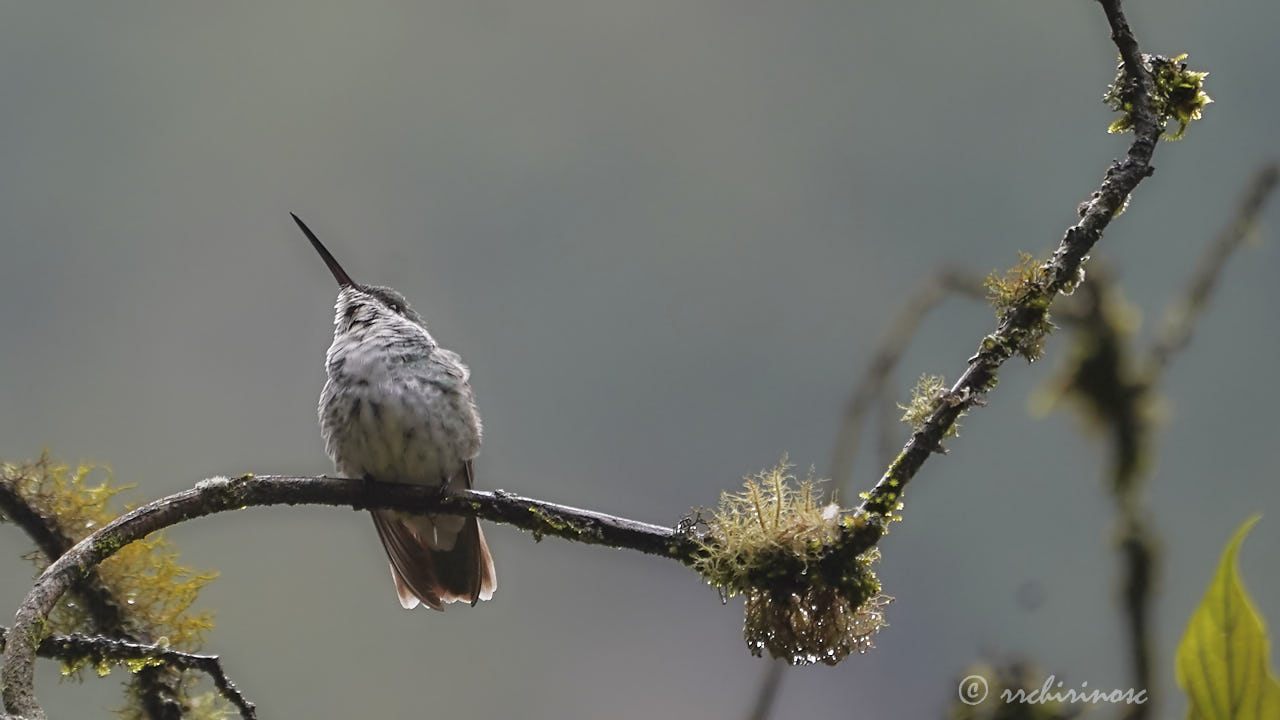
[{"x": 1222, "y": 659}]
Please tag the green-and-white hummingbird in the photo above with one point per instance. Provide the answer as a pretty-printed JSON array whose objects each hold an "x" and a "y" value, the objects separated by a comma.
[{"x": 398, "y": 407}]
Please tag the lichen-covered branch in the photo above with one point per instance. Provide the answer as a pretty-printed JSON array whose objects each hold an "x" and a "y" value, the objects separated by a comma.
[
  {"x": 78, "y": 649},
  {"x": 104, "y": 612},
  {"x": 1023, "y": 317},
  {"x": 159, "y": 688},
  {"x": 221, "y": 495}
]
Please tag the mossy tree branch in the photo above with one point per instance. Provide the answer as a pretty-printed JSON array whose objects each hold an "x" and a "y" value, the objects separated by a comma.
[
  {"x": 78, "y": 648},
  {"x": 104, "y": 611},
  {"x": 1020, "y": 321},
  {"x": 1023, "y": 317},
  {"x": 159, "y": 688},
  {"x": 221, "y": 495}
]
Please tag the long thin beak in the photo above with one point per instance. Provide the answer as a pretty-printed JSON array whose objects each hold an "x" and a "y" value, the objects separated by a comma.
[{"x": 344, "y": 280}]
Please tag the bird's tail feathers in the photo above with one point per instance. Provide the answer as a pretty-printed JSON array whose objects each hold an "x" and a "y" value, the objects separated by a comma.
[{"x": 434, "y": 561}]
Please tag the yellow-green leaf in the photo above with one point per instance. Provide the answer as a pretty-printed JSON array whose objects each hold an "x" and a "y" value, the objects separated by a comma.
[{"x": 1222, "y": 659}]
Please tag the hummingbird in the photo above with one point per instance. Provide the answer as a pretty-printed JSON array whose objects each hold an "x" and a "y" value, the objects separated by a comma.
[{"x": 397, "y": 407}]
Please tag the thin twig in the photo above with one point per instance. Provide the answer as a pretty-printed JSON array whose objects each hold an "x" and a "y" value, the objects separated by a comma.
[
  {"x": 889, "y": 424},
  {"x": 874, "y": 379},
  {"x": 1181, "y": 318},
  {"x": 767, "y": 693},
  {"x": 78, "y": 647}
]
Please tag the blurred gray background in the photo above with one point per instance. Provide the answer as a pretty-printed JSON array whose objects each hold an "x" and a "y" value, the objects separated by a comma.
[{"x": 666, "y": 237}]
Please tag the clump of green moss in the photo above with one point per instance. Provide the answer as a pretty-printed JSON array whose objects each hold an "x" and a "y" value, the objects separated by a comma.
[
  {"x": 772, "y": 514},
  {"x": 820, "y": 625},
  {"x": 1004, "y": 289},
  {"x": 1179, "y": 94},
  {"x": 154, "y": 592},
  {"x": 1021, "y": 289},
  {"x": 925, "y": 396},
  {"x": 773, "y": 542}
]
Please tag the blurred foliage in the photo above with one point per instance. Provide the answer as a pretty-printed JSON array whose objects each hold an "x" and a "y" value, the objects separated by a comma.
[{"x": 1103, "y": 380}]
